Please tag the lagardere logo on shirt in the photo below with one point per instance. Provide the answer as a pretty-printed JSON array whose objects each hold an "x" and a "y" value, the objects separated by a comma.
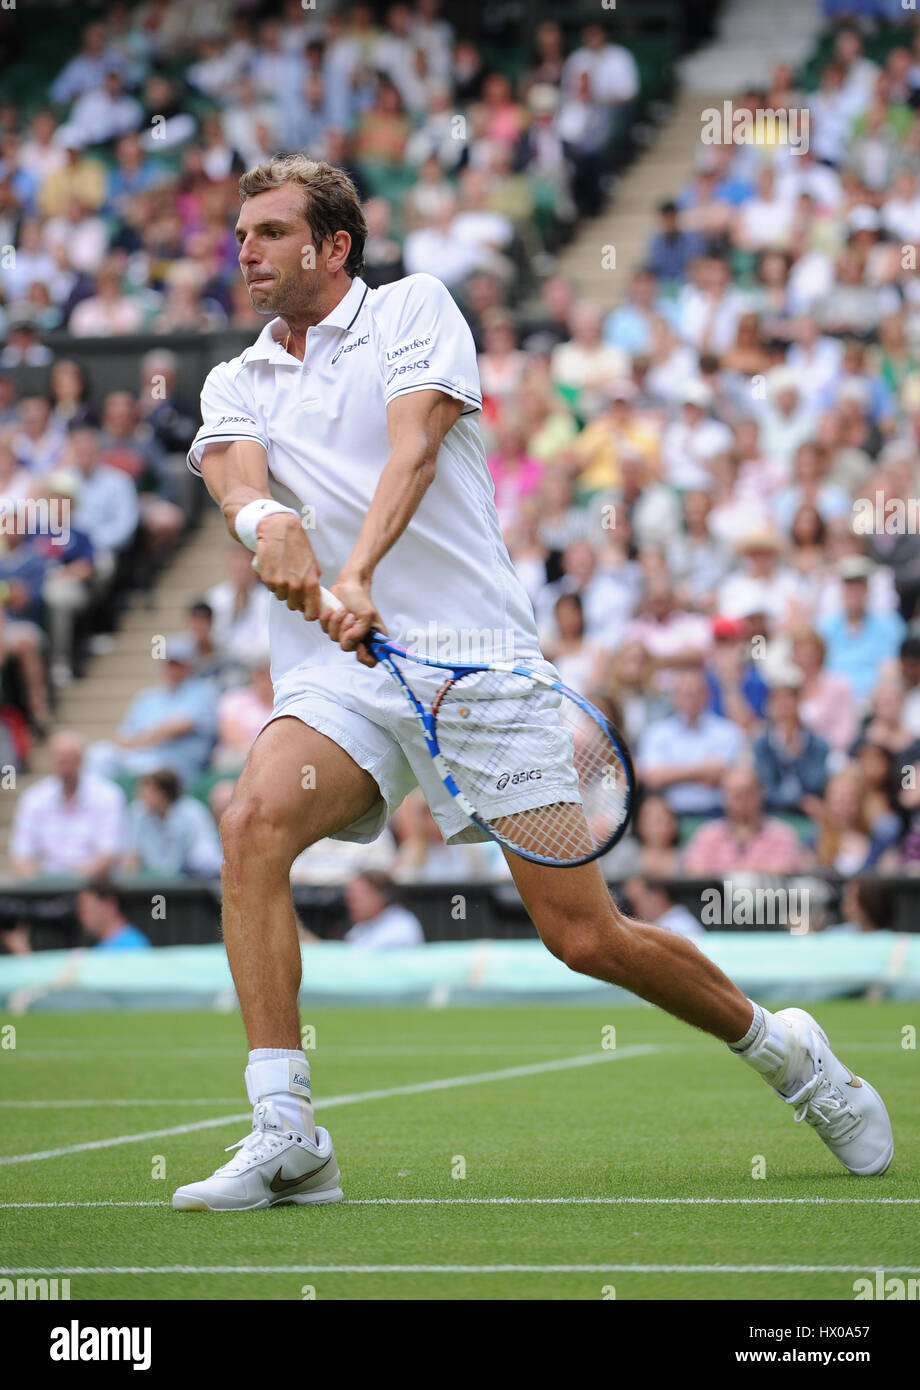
[
  {"x": 350, "y": 347},
  {"x": 401, "y": 349}
]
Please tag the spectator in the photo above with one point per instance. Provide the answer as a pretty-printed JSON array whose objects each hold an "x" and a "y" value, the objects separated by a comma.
[
  {"x": 101, "y": 913},
  {"x": 631, "y": 684},
  {"x": 791, "y": 761},
  {"x": 909, "y": 670},
  {"x": 857, "y": 640},
  {"x": 576, "y": 659},
  {"x": 744, "y": 838},
  {"x": 78, "y": 177},
  {"x": 673, "y": 637},
  {"x": 379, "y": 923},
  {"x": 241, "y": 714},
  {"x": 867, "y": 906},
  {"x": 884, "y": 724},
  {"x": 68, "y": 822},
  {"x": 109, "y": 312},
  {"x": 515, "y": 475},
  {"x": 826, "y": 703},
  {"x": 737, "y": 689},
  {"x": 168, "y": 832},
  {"x": 671, "y": 249},
  {"x": 71, "y": 394},
  {"x": 685, "y": 755},
  {"x": 240, "y": 605},
  {"x": 170, "y": 725},
  {"x": 585, "y": 365},
  {"x": 423, "y": 857},
  {"x": 658, "y": 833},
  {"x": 844, "y": 842},
  {"x": 652, "y": 902},
  {"x": 106, "y": 499}
]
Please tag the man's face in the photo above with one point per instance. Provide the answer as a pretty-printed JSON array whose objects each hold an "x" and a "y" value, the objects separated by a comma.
[
  {"x": 855, "y": 593},
  {"x": 690, "y": 695},
  {"x": 274, "y": 237},
  {"x": 741, "y": 793},
  {"x": 363, "y": 900},
  {"x": 89, "y": 913},
  {"x": 66, "y": 757},
  {"x": 910, "y": 670},
  {"x": 177, "y": 672},
  {"x": 784, "y": 704}
]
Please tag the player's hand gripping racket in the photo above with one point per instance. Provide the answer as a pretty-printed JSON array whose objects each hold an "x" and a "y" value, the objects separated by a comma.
[{"x": 567, "y": 802}]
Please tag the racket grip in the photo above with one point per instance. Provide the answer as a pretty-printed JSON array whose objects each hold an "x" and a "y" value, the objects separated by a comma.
[{"x": 328, "y": 598}]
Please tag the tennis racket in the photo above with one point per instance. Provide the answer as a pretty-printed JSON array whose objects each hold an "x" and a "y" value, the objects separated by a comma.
[{"x": 476, "y": 721}]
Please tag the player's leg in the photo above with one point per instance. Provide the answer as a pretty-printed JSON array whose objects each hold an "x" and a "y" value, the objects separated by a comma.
[
  {"x": 579, "y": 922},
  {"x": 297, "y": 787}
]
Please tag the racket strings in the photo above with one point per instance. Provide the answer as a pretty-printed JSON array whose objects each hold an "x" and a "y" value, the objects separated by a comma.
[{"x": 512, "y": 742}]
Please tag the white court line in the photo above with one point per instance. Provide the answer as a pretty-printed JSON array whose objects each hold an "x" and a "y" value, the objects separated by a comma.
[
  {"x": 461, "y": 1269},
  {"x": 122, "y": 1102},
  {"x": 536, "y": 1202},
  {"x": 415, "y": 1088},
  {"x": 330, "y": 1051}
]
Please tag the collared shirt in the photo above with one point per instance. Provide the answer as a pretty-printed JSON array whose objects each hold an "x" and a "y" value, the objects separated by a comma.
[
  {"x": 184, "y": 841},
  {"x": 63, "y": 834},
  {"x": 673, "y": 742},
  {"x": 107, "y": 507},
  {"x": 323, "y": 424},
  {"x": 186, "y": 755},
  {"x": 714, "y": 849},
  {"x": 394, "y": 926},
  {"x": 857, "y": 655}
]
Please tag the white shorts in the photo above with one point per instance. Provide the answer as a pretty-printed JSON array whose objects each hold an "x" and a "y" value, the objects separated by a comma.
[{"x": 366, "y": 712}]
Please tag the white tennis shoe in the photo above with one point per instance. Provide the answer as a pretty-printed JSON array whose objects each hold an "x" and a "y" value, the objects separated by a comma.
[
  {"x": 275, "y": 1166},
  {"x": 846, "y": 1112}
]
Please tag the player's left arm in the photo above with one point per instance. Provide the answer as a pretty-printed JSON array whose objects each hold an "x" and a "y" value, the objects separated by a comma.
[{"x": 417, "y": 423}]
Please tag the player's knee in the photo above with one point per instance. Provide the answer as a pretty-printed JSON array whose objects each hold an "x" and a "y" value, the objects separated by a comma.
[
  {"x": 586, "y": 945},
  {"x": 251, "y": 831}
]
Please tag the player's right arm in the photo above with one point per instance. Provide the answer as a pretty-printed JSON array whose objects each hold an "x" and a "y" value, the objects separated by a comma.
[{"x": 235, "y": 473}]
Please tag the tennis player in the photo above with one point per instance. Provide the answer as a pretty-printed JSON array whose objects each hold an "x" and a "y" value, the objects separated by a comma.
[{"x": 343, "y": 449}]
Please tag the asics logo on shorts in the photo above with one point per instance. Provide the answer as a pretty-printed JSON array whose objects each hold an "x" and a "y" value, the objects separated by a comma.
[{"x": 509, "y": 779}]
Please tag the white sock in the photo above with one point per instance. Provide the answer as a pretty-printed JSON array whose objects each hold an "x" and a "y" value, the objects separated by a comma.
[
  {"x": 766, "y": 1047},
  {"x": 282, "y": 1075}
]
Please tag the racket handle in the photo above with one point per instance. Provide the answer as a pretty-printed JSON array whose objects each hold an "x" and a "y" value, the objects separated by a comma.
[{"x": 329, "y": 599}]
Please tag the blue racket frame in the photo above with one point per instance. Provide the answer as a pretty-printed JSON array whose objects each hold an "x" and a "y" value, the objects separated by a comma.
[{"x": 384, "y": 651}]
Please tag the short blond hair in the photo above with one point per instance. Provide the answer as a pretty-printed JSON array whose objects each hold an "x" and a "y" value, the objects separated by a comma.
[{"x": 331, "y": 201}]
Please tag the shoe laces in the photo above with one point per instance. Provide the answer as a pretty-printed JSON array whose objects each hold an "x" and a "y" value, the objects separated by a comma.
[
  {"x": 257, "y": 1145},
  {"x": 822, "y": 1105}
]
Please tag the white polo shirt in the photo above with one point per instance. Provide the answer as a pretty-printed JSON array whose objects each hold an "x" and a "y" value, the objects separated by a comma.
[
  {"x": 64, "y": 835},
  {"x": 323, "y": 425}
]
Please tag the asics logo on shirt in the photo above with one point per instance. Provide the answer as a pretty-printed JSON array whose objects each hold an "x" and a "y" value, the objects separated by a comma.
[
  {"x": 350, "y": 347},
  {"x": 408, "y": 367}
]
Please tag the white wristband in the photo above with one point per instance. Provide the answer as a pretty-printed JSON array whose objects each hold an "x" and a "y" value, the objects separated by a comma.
[{"x": 247, "y": 520}]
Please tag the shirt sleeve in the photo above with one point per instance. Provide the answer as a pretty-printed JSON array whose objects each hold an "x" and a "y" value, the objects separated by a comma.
[
  {"x": 24, "y": 841},
  {"x": 426, "y": 344},
  {"x": 225, "y": 416}
]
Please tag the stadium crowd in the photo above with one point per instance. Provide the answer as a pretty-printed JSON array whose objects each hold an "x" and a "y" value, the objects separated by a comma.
[{"x": 708, "y": 488}]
